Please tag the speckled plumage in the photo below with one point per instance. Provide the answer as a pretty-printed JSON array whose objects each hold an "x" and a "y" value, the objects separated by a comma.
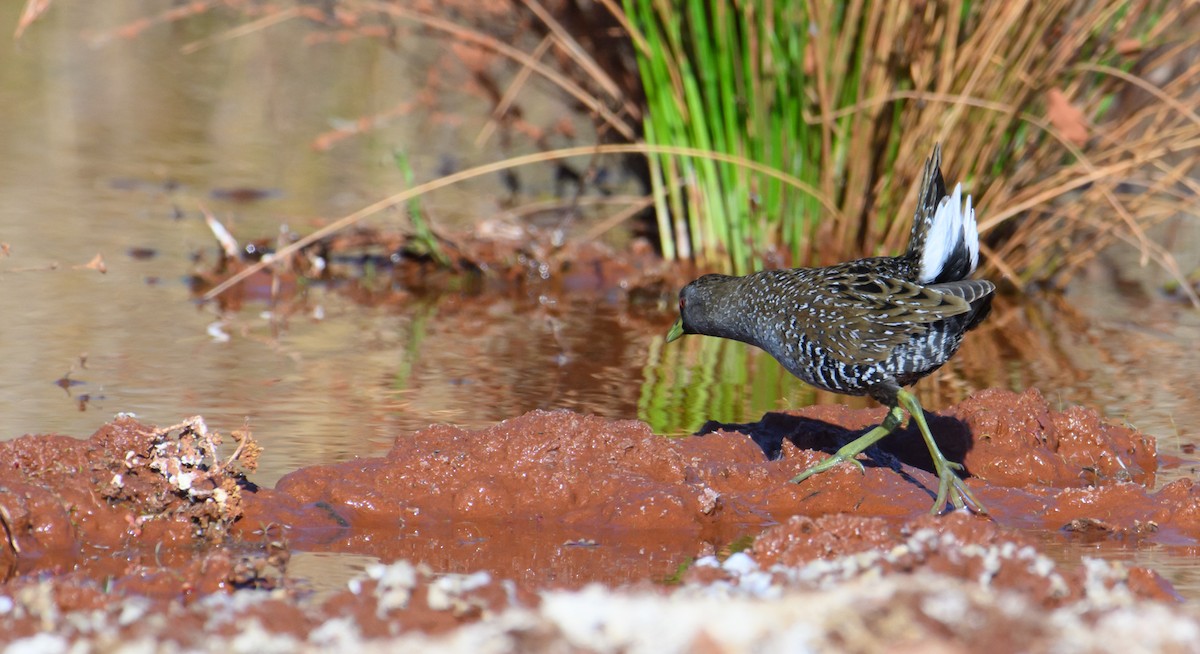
[
  {"x": 866, "y": 327},
  {"x": 855, "y": 328}
]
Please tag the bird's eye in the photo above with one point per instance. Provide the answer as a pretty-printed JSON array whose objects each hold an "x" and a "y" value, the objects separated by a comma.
[{"x": 682, "y": 302}]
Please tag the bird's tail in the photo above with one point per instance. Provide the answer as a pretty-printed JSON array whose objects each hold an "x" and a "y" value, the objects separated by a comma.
[{"x": 945, "y": 240}]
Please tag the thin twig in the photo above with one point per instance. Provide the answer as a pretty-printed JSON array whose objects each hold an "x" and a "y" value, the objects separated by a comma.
[{"x": 241, "y": 30}]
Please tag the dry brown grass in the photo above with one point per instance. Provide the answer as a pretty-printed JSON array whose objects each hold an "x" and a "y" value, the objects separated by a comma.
[{"x": 1100, "y": 154}]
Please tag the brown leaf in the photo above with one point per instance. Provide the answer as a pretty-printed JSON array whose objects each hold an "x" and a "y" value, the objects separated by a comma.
[
  {"x": 810, "y": 58},
  {"x": 1129, "y": 47},
  {"x": 33, "y": 9},
  {"x": 1066, "y": 117},
  {"x": 565, "y": 127},
  {"x": 97, "y": 263}
]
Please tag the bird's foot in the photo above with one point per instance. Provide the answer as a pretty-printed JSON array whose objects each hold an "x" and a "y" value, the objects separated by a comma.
[
  {"x": 850, "y": 451},
  {"x": 951, "y": 487},
  {"x": 828, "y": 463}
]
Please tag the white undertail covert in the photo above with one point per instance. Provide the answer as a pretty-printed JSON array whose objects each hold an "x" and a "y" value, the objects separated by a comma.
[{"x": 953, "y": 227}]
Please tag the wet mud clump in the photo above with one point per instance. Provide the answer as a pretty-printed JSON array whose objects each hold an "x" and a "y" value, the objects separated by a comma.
[
  {"x": 134, "y": 506},
  {"x": 556, "y": 530}
]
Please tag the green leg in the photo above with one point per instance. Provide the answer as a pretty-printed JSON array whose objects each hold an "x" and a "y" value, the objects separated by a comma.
[
  {"x": 950, "y": 485},
  {"x": 854, "y": 447}
]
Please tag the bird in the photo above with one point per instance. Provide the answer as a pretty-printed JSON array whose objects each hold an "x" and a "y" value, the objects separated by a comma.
[{"x": 866, "y": 327}]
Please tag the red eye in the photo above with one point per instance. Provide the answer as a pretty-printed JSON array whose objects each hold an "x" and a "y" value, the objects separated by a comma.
[{"x": 681, "y": 303}]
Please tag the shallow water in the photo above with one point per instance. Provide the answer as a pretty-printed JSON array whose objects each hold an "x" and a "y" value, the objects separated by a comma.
[{"x": 114, "y": 149}]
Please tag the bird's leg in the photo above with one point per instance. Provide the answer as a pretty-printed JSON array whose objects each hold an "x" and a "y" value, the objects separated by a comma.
[
  {"x": 950, "y": 485},
  {"x": 854, "y": 447}
]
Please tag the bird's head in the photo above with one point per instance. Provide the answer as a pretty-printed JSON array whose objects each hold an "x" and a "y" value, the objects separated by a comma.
[{"x": 701, "y": 306}]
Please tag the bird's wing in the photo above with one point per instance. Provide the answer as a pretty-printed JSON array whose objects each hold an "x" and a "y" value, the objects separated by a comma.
[{"x": 861, "y": 318}]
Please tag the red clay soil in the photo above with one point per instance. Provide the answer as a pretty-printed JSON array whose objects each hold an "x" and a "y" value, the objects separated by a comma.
[{"x": 155, "y": 520}]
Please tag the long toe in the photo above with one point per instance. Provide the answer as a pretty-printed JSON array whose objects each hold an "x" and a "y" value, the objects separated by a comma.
[
  {"x": 964, "y": 493},
  {"x": 951, "y": 487},
  {"x": 826, "y": 465}
]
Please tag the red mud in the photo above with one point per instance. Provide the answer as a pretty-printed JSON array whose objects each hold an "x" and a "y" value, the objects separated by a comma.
[{"x": 558, "y": 499}]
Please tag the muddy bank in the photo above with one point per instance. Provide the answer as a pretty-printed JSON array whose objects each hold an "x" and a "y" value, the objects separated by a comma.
[
  {"x": 496, "y": 533},
  {"x": 588, "y": 476}
]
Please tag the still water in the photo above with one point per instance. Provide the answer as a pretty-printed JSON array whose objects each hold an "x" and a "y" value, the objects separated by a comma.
[{"x": 113, "y": 147}]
